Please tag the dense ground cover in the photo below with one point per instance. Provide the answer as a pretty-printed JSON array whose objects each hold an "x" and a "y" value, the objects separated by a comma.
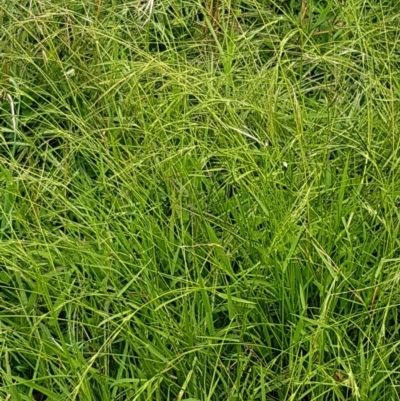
[{"x": 199, "y": 201}]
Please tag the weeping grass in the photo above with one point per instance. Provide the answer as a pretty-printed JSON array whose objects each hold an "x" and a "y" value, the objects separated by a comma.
[{"x": 199, "y": 201}]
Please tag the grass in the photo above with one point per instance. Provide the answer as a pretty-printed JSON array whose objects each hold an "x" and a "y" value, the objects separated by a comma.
[{"x": 199, "y": 201}]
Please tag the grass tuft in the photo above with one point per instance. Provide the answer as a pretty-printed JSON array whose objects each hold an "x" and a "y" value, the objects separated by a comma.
[{"x": 199, "y": 201}]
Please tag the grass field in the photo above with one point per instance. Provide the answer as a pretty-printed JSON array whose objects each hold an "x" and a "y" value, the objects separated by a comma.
[{"x": 199, "y": 201}]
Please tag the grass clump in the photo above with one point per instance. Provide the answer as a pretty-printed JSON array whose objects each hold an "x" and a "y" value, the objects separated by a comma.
[{"x": 199, "y": 201}]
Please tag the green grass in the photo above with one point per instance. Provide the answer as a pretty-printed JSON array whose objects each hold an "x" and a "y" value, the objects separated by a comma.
[{"x": 199, "y": 207}]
